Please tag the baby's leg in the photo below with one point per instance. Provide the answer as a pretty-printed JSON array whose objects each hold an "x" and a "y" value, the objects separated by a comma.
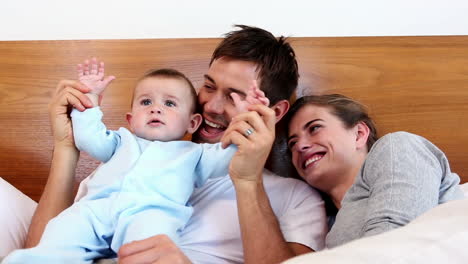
[
  {"x": 151, "y": 222},
  {"x": 77, "y": 235}
]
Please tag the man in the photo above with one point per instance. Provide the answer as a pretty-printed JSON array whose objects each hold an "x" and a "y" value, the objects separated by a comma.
[{"x": 251, "y": 215}]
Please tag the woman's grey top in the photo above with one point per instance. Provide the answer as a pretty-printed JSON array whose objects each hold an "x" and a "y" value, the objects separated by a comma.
[{"x": 403, "y": 176}]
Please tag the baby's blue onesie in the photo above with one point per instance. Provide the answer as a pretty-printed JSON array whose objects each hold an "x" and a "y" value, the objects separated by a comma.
[{"x": 140, "y": 190}]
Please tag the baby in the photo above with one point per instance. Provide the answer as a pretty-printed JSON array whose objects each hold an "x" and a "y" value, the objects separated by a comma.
[{"x": 148, "y": 174}]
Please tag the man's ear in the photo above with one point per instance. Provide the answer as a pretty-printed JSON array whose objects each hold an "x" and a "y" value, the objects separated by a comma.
[
  {"x": 129, "y": 118},
  {"x": 362, "y": 134},
  {"x": 195, "y": 122},
  {"x": 280, "y": 108}
]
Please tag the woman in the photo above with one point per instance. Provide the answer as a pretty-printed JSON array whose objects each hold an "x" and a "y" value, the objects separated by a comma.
[{"x": 376, "y": 185}]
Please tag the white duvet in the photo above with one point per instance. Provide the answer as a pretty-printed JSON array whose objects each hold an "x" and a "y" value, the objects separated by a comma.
[{"x": 438, "y": 236}]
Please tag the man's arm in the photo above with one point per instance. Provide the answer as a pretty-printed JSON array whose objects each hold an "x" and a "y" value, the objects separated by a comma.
[
  {"x": 58, "y": 193},
  {"x": 262, "y": 239}
]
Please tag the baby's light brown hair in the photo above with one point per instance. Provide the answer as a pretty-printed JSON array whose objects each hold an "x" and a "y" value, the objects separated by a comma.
[{"x": 171, "y": 74}]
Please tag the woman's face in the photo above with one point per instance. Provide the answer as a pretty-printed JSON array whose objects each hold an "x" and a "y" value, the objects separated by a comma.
[{"x": 322, "y": 148}]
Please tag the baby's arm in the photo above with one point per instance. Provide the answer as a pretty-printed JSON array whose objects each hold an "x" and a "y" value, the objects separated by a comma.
[
  {"x": 90, "y": 134},
  {"x": 91, "y": 74},
  {"x": 214, "y": 162}
]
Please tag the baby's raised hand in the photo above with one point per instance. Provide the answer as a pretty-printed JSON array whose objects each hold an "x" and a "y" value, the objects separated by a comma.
[
  {"x": 254, "y": 96},
  {"x": 91, "y": 74}
]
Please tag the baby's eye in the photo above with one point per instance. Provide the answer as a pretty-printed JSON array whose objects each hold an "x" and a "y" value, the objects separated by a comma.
[
  {"x": 170, "y": 103},
  {"x": 145, "y": 102}
]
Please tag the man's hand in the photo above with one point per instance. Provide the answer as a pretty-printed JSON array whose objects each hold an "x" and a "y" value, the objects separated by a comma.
[
  {"x": 67, "y": 94},
  {"x": 91, "y": 74},
  {"x": 157, "y": 249},
  {"x": 253, "y": 131}
]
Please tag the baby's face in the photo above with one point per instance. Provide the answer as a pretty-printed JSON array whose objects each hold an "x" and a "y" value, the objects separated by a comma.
[{"x": 161, "y": 109}]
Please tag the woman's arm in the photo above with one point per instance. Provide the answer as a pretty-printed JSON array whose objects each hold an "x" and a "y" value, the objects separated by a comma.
[
  {"x": 58, "y": 193},
  {"x": 405, "y": 173},
  {"x": 262, "y": 239}
]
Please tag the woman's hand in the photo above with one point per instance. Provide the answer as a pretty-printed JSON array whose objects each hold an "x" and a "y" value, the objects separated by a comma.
[
  {"x": 253, "y": 132},
  {"x": 68, "y": 94}
]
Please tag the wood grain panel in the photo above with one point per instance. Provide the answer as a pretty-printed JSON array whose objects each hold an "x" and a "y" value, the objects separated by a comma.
[{"x": 416, "y": 84}]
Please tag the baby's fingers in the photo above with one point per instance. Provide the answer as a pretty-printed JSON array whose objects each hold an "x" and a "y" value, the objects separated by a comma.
[
  {"x": 79, "y": 69},
  {"x": 260, "y": 95},
  {"x": 240, "y": 104},
  {"x": 94, "y": 66},
  {"x": 86, "y": 67},
  {"x": 101, "y": 69}
]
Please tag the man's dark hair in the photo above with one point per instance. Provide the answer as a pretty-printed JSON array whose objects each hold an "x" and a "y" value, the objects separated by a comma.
[
  {"x": 274, "y": 57},
  {"x": 172, "y": 74}
]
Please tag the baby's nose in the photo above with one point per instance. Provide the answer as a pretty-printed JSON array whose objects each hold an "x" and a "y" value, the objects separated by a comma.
[{"x": 156, "y": 109}]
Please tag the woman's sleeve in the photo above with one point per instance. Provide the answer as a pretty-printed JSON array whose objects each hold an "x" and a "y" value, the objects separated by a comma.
[{"x": 404, "y": 173}]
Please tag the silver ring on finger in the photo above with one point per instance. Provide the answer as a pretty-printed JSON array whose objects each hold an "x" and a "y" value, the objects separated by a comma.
[{"x": 249, "y": 132}]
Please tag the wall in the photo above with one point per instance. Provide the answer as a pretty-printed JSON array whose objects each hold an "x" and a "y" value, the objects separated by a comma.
[{"x": 123, "y": 19}]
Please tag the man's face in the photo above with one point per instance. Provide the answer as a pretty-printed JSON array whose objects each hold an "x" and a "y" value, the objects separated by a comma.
[{"x": 225, "y": 76}]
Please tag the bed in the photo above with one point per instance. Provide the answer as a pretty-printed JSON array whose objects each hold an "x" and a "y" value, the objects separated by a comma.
[{"x": 415, "y": 84}]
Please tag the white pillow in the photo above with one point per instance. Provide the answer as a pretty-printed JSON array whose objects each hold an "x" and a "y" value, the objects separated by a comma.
[
  {"x": 438, "y": 236},
  {"x": 464, "y": 188},
  {"x": 16, "y": 210}
]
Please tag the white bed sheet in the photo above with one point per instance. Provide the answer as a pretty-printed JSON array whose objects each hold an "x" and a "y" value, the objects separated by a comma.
[{"x": 439, "y": 236}]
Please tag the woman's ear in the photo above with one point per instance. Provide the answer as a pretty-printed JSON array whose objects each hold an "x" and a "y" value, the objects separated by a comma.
[
  {"x": 280, "y": 108},
  {"x": 129, "y": 118},
  {"x": 362, "y": 134},
  {"x": 195, "y": 122}
]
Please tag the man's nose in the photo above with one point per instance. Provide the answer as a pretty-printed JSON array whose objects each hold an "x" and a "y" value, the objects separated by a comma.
[{"x": 215, "y": 105}]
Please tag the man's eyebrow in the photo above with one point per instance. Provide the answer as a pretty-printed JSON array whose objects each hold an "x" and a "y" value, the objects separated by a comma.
[
  {"x": 209, "y": 78},
  {"x": 305, "y": 127},
  {"x": 231, "y": 90}
]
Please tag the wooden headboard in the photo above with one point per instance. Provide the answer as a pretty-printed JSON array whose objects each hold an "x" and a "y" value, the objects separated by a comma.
[{"x": 416, "y": 84}]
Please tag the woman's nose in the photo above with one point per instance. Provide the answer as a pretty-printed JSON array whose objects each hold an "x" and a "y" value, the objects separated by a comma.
[{"x": 303, "y": 145}]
